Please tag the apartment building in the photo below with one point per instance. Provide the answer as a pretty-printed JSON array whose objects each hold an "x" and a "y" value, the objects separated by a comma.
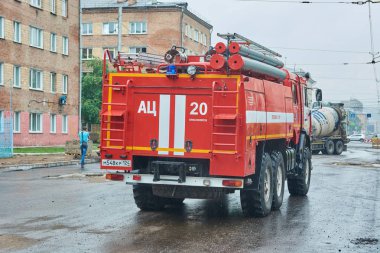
[
  {"x": 147, "y": 26},
  {"x": 39, "y": 70}
]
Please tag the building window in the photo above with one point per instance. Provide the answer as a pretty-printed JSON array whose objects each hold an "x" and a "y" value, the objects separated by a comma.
[
  {"x": 86, "y": 53},
  {"x": 53, "y": 123},
  {"x": 196, "y": 35},
  {"x": 1, "y": 73},
  {"x": 110, "y": 28},
  {"x": 64, "y": 124},
  {"x": 36, "y": 37},
  {"x": 136, "y": 50},
  {"x": 16, "y": 76},
  {"x": 35, "y": 3},
  {"x": 53, "y": 6},
  {"x": 187, "y": 30},
  {"x": 16, "y": 122},
  {"x": 53, "y": 42},
  {"x": 65, "y": 79},
  {"x": 2, "y": 27},
  {"x": 190, "y": 32},
  {"x": 205, "y": 39},
  {"x": 35, "y": 122},
  {"x": 35, "y": 79},
  {"x": 112, "y": 51},
  {"x": 53, "y": 82},
  {"x": 87, "y": 29},
  {"x": 65, "y": 45},
  {"x": 137, "y": 27},
  {"x": 17, "y": 31},
  {"x": 64, "y": 8},
  {"x": 1, "y": 121}
]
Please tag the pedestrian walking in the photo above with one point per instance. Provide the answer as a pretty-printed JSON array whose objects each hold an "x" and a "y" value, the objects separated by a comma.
[{"x": 84, "y": 137}]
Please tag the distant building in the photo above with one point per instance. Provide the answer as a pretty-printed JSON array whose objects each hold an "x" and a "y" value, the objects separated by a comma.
[
  {"x": 353, "y": 105},
  {"x": 147, "y": 26},
  {"x": 39, "y": 67}
]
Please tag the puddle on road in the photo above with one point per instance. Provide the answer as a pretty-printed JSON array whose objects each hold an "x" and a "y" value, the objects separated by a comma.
[
  {"x": 10, "y": 242},
  {"x": 364, "y": 241},
  {"x": 90, "y": 177},
  {"x": 358, "y": 164}
]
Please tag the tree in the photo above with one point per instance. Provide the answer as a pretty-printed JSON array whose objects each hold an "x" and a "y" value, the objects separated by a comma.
[{"x": 92, "y": 92}]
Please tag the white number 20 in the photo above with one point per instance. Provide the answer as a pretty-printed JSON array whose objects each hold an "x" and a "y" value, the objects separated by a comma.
[{"x": 198, "y": 108}]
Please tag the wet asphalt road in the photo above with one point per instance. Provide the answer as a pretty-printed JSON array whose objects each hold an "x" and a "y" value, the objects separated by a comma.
[{"x": 40, "y": 212}]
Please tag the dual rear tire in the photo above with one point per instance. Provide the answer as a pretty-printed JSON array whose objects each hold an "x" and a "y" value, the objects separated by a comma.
[
  {"x": 270, "y": 191},
  {"x": 147, "y": 201},
  {"x": 332, "y": 147}
]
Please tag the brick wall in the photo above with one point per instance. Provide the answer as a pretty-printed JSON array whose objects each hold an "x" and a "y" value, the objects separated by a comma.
[
  {"x": 25, "y": 138},
  {"x": 44, "y": 101},
  {"x": 163, "y": 30}
]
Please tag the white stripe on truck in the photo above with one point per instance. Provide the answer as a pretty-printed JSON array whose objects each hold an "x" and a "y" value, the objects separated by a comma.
[
  {"x": 164, "y": 124},
  {"x": 268, "y": 117},
  {"x": 179, "y": 123}
]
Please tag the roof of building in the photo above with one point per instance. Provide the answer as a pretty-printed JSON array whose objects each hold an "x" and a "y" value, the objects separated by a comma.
[{"x": 143, "y": 4}]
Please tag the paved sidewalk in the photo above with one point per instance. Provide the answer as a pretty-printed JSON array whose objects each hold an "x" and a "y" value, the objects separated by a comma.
[{"x": 54, "y": 160}]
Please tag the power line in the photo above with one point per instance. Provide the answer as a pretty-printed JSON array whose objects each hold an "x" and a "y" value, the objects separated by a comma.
[
  {"x": 342, "y": 78},
  {"x": 329, "y": 64},
  {"x": 313, "y": 2},
  {"x": 321, "y": 50},
  {"x": 377, "y": 81}
]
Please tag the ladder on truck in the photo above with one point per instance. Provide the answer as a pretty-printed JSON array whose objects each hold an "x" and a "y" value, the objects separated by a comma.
[
  {"x": 114, "y": 127},
  {"x": 225, "y": 120}
]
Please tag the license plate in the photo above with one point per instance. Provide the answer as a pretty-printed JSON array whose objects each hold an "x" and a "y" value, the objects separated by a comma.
[{"x": 116, "y": 163}]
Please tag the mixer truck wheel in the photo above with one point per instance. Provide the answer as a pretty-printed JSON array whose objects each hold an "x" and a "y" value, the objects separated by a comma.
[
  {"x": 278, "y": 179},
  {"x": 329, "y": 147},
  {"x": 338, "y": 147},
  {"x": 145, "y": 200},
  {"x": 299, "y": 186},
  {"x": 258, "y": 202}
]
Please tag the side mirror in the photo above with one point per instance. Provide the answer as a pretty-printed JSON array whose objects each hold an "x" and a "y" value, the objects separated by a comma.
[{"x": 318, "y": 95}]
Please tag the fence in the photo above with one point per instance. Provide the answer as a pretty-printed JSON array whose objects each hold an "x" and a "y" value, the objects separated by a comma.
[{"x": 6, "y": 135}]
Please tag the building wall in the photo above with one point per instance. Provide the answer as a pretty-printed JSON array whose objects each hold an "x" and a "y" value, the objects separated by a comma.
[
  {"x": 45, "y": 101},
  {"x": 163, "y": 31}
]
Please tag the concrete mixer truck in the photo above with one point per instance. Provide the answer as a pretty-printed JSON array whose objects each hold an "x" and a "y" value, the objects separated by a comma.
[{"x": 329, "y": 121}]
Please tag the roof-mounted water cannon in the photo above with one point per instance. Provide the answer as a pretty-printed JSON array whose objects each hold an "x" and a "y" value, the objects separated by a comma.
[{"x": 176, "y": 56}]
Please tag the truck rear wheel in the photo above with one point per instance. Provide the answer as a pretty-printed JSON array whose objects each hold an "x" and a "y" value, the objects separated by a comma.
[
  {"x": 258, "y": 202},
  {"x": 278, "y": 179},
  {"x": 299, "y": 186},
  {"x": 174, "y": 201},
  {"x": 338, "y": 147},
  {"x": 329, "y": 147},
  {"x": 145, "y": 200}
]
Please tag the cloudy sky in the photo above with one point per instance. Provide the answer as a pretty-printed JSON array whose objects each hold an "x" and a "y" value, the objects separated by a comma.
[{"x": 336, "y": 27}]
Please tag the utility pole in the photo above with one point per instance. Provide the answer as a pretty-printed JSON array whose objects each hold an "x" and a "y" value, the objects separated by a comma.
[
  {"x": 120, "y": 23},
  {"x": 80, "y": 67}
]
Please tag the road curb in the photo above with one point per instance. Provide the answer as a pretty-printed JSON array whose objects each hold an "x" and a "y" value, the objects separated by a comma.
[{"x": 24, "y": 167}]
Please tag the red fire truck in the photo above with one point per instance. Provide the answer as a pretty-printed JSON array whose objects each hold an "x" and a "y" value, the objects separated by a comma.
[{"x": 205, "y": 126}]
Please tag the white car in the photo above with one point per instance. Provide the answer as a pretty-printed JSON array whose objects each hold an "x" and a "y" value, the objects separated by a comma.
[{"x": 357, "y": 137}]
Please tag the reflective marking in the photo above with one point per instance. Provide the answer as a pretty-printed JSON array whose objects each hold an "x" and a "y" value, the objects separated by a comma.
[
  {"x": 256, "y": 117},
  {"x": 179, "y": 123},
  {"x": 164, "y": 124},
  {"x": 268, "y": 117}
]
